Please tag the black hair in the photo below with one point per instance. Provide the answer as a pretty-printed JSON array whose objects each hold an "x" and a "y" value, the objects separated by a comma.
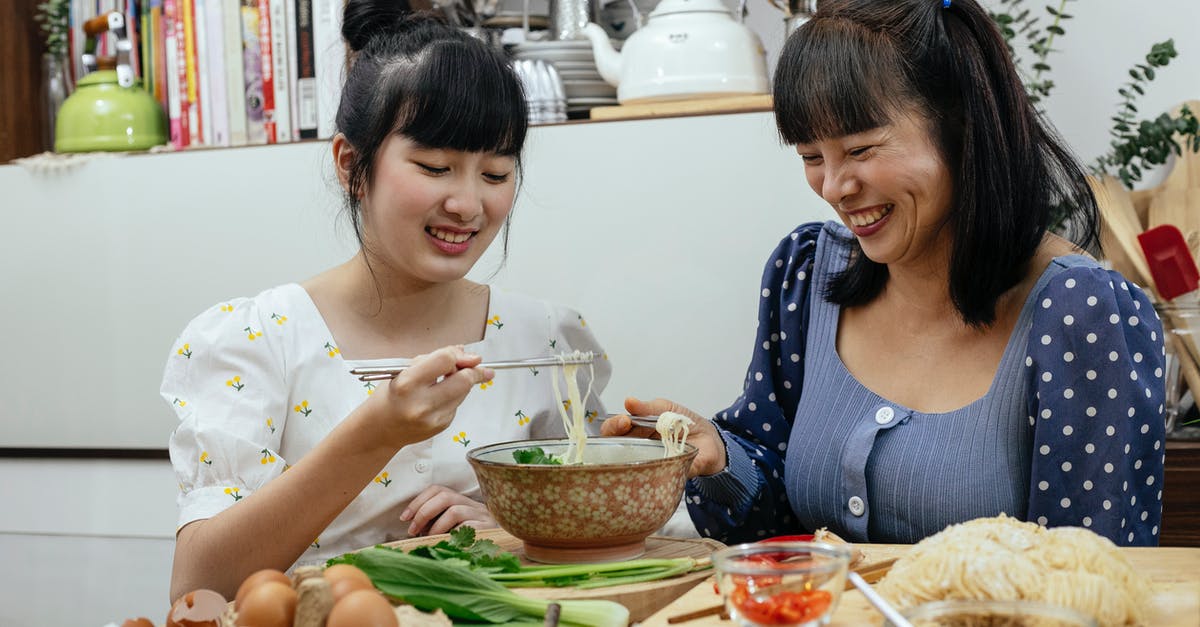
[
  {"x": 414, "y": 75},
  {"x": 857, "y": 64}
]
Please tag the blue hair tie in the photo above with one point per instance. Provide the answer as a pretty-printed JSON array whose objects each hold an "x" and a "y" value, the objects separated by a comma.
[{"x": 945, "y": 4}]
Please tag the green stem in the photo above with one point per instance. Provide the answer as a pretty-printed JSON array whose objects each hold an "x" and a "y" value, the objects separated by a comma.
[
  {"x": 1062, "y": 5},
  {"x": 575, "y": 570}
]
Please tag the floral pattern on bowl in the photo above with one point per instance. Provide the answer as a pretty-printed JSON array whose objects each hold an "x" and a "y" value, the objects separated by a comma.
[{"x": 597, "y": 511}]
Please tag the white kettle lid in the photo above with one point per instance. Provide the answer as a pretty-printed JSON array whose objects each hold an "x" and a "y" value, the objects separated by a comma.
[{"x": 666, "y": 7}]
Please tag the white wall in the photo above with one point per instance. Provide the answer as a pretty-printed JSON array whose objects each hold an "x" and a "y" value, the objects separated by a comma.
[{"x": 59, "y": 518}]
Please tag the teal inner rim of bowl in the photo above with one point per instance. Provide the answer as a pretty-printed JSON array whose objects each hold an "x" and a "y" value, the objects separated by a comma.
[{"x": 597, "y": 453}]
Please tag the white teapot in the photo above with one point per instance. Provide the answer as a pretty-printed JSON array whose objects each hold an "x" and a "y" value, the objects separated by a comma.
[{"x": 687, "y": 49}]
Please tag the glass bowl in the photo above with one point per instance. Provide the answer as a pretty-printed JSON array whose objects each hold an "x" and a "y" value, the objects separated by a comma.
[
  {"x": 995, "y": 614},
  {"x": 790, "y": 584}
]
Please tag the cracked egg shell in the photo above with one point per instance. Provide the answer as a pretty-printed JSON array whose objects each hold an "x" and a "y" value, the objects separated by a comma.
[{"x": 198, "y": 608}]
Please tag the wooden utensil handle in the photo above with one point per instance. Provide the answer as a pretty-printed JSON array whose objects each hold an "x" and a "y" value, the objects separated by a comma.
[{"x": 96, "y": 25}]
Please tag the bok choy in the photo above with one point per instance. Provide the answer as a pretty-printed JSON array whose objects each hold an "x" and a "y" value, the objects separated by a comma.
[{"x": 466, "y": 595}]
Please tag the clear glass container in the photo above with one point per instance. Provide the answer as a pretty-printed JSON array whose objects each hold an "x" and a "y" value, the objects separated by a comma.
[
  {"x": 789, "y": 584},
  {"x": 1181, "y": 326}
]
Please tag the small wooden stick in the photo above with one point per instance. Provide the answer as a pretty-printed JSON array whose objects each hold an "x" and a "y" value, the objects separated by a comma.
[{"x": 700, "y": 613}]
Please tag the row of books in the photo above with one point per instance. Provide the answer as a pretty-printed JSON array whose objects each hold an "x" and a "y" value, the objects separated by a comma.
[{"x": 232, "y": 72}]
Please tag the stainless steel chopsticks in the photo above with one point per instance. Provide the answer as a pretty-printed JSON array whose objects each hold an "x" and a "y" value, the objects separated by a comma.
[{"x": 380, "y": 373}]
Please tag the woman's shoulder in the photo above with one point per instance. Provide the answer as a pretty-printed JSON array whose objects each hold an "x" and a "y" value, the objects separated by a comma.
[{"x": 274, "y": 305}]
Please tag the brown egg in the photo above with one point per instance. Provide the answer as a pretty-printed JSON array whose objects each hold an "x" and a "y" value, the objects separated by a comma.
[
  {"x": 270, "y": 604},
  {"x": 344, "y": 579},
  {"x": 256, "y": 579},
  {"x": 198, "y": 608},
  {"x": 363, "y": 608}
]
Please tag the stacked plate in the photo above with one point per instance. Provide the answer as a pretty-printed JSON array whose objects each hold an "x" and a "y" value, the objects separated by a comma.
[{"x": 576, "y": 66}]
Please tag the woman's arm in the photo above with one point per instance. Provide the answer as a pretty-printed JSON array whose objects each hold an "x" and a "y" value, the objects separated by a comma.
[
  {"x": 1095, "y": 374},
  {"x": 293, "y": 508},
  {"x": 747, "y": 500}
]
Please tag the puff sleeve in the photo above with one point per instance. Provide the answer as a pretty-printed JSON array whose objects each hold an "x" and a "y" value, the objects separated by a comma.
[
  {"x": 1095, "y": 374},
  {"x": 747, "y": 500},
  {"x": 224, "y": 378}
]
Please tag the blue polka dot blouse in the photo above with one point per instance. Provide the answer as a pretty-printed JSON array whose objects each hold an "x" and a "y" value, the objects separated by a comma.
[{"x": 1070, "y": 432}]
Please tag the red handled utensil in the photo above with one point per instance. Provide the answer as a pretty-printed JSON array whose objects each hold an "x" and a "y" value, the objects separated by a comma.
[{"x": 1171, "y": 263}]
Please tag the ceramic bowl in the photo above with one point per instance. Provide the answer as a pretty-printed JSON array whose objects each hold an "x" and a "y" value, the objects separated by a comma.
[
  {"x": 598, "y": 511},
  {"x": 1009, "y": 613},
  {"x": 781, "y": 583}
]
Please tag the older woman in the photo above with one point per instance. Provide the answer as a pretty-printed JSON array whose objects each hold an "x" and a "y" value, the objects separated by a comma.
[{"x": 939, "y": 355}]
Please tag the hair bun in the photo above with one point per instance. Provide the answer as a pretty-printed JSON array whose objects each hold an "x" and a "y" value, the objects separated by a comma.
[{"x": 363, "y": 20}]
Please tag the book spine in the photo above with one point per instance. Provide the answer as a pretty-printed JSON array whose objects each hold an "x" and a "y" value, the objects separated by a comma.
[
  {"x": 192, "y": 83},
  {"x": 203, "y": 69},
  {"x": 330, "y": 55},
  {"x": 235, "y": 78},
  {"x": 214, "y": 75},
  {"x": 306, "y": 72},
  {"x": 159, "y": 44},
  {"x": 176, "y": 93},
  {"x": 268, "y": 70},
  {"x": 280, "y": 74},
  {"x": 252, "y": 69},
  {"x": 147, "y": 46}
]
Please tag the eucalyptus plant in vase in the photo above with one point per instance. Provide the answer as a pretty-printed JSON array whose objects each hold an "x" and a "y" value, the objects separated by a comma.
[{"x": 53, "y": 17}]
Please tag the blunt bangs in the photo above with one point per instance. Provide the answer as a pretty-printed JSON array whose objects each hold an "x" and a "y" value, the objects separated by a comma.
[
  {"x": 455, "y": 97},
  {"x": 837, "y": 78}
]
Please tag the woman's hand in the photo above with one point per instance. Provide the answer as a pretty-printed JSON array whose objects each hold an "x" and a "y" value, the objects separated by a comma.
[
  {"x": 421, "y": 401},
  {"x": 439, "y": 509},
  {"x": 703, "y": 434}
]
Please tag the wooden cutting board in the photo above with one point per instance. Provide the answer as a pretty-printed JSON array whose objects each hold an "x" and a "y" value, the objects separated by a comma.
[
  {"x": 642, "y": 599},
  {"x": 1174, "y": 573}
]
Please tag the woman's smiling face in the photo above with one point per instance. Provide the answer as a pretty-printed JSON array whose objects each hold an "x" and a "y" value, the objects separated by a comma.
[
  {"x": 890, "y": 185},
  {"x": 429, "y": 213}
]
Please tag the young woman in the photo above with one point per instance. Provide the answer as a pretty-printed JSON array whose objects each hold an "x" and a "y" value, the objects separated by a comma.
[{"x": 282, "y": 454}]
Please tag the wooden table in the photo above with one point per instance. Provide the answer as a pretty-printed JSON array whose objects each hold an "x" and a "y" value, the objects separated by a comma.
[{"x": 1173, "y": 571}]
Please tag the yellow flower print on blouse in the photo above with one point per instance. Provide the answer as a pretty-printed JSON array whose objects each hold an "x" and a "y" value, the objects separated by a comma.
[
  {"x": 316, "y": 543},
  {"x": 582, "y": 322},
  {"x": 590, "y": 415},
  {"x": 204, "y": 458},
  {"x": 383, "y": 480},
  {"x": 180, "y": 402},
  {"x": 522, "y": 419},
  {"x": 267, "y": 457},
  {"x": 495, "y": 321},
  {"x": 303, "y": 408},
  {"x": 271, "y": 424},
  {"x": 370, "y": 387},
  {"x": 486, "y": 384},
  {"x": 235, "y": 383},
  {"x": 251, "y": 334},
  {"x": 279, "y": 318},
  {"x": 186, "y": 351},
  {"x": 227, "y": 308},
  {"x": 461, "y": 438},
  {"x": 232, "y": 491},
  {"x": 567, "y": 405},
  {"x": 332, "y": 350}
]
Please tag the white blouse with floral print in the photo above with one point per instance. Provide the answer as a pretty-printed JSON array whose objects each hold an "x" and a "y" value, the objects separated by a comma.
[{"x": 258, "y": 382}]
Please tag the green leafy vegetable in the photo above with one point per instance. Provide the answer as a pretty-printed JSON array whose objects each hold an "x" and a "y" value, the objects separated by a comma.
[
  {"x": 463, "y": 594},
  {"x": 534, "y": 455},
  {"x": 482, "y": 555}
]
